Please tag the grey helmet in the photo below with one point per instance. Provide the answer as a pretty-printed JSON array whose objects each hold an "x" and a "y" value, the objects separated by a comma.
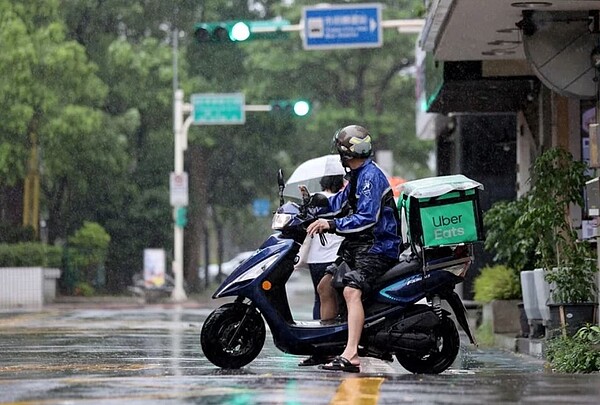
[{"x": 351, "y": 142}]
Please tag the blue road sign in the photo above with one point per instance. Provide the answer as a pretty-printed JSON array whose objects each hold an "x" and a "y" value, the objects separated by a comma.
[
  {"x": 342, "y": 26},
  {"x": 261, "y": 207}
]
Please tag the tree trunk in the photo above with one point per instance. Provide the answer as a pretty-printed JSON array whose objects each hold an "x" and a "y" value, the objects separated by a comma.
[
  {"x": 11, "y": 204},
  {"x": 194, "y": 234},
  {"x": 220, "y": 248}
]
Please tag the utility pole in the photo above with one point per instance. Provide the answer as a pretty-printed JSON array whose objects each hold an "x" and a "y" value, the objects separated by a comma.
[{"x": 180, "y": 132}]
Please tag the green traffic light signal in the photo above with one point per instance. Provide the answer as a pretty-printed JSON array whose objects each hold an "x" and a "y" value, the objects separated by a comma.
[
  {"x": 240, "y": 31},
  {"x": 299, "y": 108},
  {"x": 226, "y": 31}
]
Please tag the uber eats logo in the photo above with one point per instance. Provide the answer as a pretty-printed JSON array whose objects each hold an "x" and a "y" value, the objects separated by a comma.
[
  {"x": 448, "y": 223},
  {"x": 442, "y": 228}
]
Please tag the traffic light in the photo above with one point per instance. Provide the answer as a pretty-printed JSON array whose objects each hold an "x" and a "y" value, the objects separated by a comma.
[
  {"x": 226, "y": 31},
  {"x": 238, "y": 31},
  {"x": 181, "y": 217},
  {"x": 299, "y": 108}
]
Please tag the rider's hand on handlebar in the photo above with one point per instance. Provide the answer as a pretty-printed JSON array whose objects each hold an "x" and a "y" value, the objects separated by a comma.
[{"x": 319, "y": 226}]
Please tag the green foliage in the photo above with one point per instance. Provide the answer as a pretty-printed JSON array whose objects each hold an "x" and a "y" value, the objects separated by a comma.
[
  {"x": 536, "y": 230},
  {"x": 576, "y": 280},
  {"x": 485, "y": 335},
  {"x": 30, "y": 254},
  {"x": 83, "y": 289},
  {"x": 558, "y": 180},
  {"x": 577, "y": 354},
  {"x": 497, "y": 283},
  {"x": 513, "y": 243},
  {"x": 88, "y": 248},
  {"x": 15, "y": 234},
  {"x": 93, "y": 83}
]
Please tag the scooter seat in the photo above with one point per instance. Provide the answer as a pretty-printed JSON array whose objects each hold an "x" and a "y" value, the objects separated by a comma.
[{"x": 404, "y": 268}]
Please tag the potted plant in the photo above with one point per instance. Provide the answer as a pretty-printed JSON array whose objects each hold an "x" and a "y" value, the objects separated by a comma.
[
  {"x": 498, "y": 288},
  {"x": 558, "y": 181}
]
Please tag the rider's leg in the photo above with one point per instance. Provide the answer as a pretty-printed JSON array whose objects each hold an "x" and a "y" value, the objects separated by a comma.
[
  {"x": 329, "y": 307},
  {"x": 356, "y": 320}
]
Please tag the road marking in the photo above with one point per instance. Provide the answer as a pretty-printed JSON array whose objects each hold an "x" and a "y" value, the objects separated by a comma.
[
  {"x": 78, "y": 368},
  {"x": 25, "y": 318},
  {"x": 364, "y": 391}
]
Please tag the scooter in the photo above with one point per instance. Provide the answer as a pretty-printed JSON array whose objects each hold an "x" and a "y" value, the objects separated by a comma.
[{"x": 403, "y": 315}]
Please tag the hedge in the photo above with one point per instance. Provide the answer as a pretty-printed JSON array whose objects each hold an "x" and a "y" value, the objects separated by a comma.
[{"x": 30, "y": 254}]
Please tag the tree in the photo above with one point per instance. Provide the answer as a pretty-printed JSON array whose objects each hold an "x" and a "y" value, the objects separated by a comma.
[
  {"x": 53, "y": 97},
  {"x": 93, "y": 81}
]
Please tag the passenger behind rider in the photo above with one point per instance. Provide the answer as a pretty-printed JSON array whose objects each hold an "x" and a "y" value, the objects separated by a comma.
[
  {"x": 365, "y": 213},
  {"x": 319, "y": 256}
]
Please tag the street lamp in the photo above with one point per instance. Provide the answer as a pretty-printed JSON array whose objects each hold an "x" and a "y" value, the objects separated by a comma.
[
  {"x": 180, "y": 136},
  {"x": 175, "y": 34}
]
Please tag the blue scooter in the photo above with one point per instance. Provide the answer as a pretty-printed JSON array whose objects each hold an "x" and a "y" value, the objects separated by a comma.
[{"x": 422, "y": 336}]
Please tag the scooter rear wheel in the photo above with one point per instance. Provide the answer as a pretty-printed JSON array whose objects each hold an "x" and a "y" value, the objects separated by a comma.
[
  {"x": 233, "y": 335},
  {"x": 438, "y": 361}
]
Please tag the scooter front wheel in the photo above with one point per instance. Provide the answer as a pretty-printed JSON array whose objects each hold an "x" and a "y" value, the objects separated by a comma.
[
  {"x": 233, "y": 335},
  {"x": 437, "y": 360}
]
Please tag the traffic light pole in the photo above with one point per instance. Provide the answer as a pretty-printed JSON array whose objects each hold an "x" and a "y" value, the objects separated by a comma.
[
  {"x": 405, "y": 26},
  {"x": 180, "y": 131},
  {"x": 258, "y": 107}
]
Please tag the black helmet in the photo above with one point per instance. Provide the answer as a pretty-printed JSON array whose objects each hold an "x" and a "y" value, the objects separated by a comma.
[{"x": 352, "y": 141}]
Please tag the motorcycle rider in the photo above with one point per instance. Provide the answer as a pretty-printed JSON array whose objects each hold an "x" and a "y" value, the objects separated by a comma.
[{"x": 365, "y": 213}]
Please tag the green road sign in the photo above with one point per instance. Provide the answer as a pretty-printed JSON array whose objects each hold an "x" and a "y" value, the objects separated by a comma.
[{"x": 219, "y": 108}]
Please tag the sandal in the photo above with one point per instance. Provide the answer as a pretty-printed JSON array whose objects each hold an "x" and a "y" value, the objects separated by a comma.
[
  {"x": 315, "y": 360},
  {"x": 340, "y": 363}
]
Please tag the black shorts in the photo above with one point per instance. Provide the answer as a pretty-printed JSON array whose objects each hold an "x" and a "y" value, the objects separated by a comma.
[{"x": 365, "y": 267}]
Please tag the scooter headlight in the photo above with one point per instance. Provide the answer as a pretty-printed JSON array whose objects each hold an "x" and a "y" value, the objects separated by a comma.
[{"x": 280, "y": 221}]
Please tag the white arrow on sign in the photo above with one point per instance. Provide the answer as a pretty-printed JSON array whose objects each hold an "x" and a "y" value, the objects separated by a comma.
[{"x": 373, "y": 25}]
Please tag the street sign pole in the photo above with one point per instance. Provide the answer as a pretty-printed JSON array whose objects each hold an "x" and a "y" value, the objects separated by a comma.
[{"x": 180, "y": 132}]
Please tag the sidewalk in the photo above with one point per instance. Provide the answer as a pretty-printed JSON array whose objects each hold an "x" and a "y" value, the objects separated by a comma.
[
  {"x": 529, "y": 346},
  {"x": 511, "y": 341}
]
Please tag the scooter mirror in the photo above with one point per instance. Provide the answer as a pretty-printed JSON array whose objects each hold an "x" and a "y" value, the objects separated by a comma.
[{"x": 281, "y": 183}]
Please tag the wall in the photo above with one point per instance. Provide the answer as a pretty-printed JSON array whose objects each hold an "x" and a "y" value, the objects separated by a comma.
[{"x": 27, "y": 287}]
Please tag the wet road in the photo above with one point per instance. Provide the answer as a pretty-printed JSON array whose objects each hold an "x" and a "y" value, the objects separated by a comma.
[{"x": 139, "y": 354}]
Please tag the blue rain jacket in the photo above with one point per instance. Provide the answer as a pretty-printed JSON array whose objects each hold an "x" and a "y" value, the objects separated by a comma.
[{"x": 370, "y": 216}]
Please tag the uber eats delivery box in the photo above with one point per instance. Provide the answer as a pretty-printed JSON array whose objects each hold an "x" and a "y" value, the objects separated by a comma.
[{"x": 441, "y": 210}]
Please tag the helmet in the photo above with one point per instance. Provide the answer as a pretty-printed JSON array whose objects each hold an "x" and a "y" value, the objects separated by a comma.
[{"x": 352, "y": 141}]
